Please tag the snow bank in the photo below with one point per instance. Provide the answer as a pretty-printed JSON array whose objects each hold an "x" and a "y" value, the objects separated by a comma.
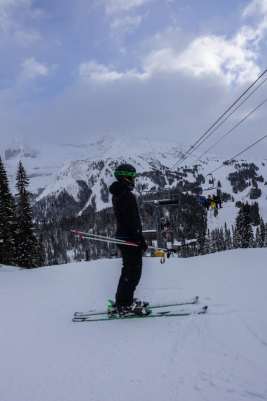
[{"x": 221, "y": 356}]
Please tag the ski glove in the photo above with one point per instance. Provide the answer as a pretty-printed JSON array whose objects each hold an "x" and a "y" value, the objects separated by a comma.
[{"x": 144, "y": 245}]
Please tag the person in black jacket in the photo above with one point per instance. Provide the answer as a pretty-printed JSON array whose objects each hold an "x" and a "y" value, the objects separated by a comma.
[{"x": 129, "y": 228}]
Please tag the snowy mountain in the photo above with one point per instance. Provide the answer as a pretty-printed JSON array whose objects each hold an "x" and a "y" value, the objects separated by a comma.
[
  {"x": 76, "y": 178},
  {"x": 51, "y": 163},
  {"x": 219, "y": 356}
]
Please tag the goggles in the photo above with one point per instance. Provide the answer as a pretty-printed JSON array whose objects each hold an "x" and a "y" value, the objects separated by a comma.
[{"x": 121, "y": 173}]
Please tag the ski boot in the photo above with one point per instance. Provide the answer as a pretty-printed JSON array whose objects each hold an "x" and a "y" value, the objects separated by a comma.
[
  {"x": 112, "y": 308},
  {"x": 140, "y": 308}
]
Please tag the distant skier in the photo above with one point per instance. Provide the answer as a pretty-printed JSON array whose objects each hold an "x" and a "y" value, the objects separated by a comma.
[
  {"x": 208, "y": 202},
  {"x": 218, "y": 201},
  {"x": 203, "y": 201},
  {"x": 128, "y": 228}
]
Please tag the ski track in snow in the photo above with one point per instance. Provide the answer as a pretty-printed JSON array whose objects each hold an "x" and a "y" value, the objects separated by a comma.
[{"x": 220, "y": 356}]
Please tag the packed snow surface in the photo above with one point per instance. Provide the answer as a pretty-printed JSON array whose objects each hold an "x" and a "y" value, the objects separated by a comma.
[{"x": 221, "y": 356}]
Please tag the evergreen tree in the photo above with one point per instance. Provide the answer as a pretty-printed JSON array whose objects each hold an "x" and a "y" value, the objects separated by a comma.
[
  {"x": 254, "y": 214},
  {"x": 222, "y": 240},
  {"x": 40, "y": 251},
  {"x": 265, "y": 236},
  {"x": 214, "y": 240},
  {"x": 244, "y": 233},
  {"x": 207, "y": 242},
  {"x": 257, "y": 238},
  {"x": 236, "y": 238},
  {"x": 217, "y": 240},
  {"x": 7, "y": 221},
  {"x": 262, "y": 233},
  {"x": 228, "y": 237},
  {"x": 27, "y": 247}
]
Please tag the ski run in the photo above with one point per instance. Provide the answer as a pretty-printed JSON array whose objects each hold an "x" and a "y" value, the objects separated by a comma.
[{"x": 217, "y": 356}]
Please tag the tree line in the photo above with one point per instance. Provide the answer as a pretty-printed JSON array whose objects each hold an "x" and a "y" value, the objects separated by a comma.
[
  {"x": 19, "y": 245},
  {"x": 28, "y": 241},
  {"x": 249, "y": 231}
]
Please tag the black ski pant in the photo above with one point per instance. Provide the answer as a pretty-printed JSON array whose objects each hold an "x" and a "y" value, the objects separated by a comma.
[{"x": 130, "y": 274}]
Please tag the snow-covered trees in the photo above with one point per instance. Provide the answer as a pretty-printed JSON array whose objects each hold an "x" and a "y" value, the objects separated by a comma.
[
  {"x": 27, "y": 247},
  {"x": 260, "y": 235},
  {"x": 7, "y": 221},
  {"x": 18, "y": 244},
  {"x": 244, "y": 232},
  {"x": 250, "y": 231}
]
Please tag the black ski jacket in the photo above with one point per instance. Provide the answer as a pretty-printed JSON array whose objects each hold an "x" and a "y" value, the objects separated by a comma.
[{"x": 129, "y": 226}]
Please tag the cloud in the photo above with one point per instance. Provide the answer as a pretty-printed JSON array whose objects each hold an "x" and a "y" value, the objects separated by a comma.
[
  {"x": 169, "y": 84},
  {"x": 7, "y": 8},
  {"x": 126, "y": 23},
  {"x": 98, "y": 72},
  {"x": 32, "y": 69},
  {"x": 256, "y": 8},
  {"x": 14, "y": 16},
  {"x": 124, "y": 15},
  {"x": 232, "y": 59},
  {"x": 101, "y": 73},
  {"x": 26, "y": 38},
  {"x": 118, "y": 6}
]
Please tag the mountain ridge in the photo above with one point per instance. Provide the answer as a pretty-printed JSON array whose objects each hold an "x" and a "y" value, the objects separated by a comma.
[{"x": 79, "y": 175}]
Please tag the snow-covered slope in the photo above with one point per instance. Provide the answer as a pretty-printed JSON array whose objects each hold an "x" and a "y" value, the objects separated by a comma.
[
  {"x": 155, "y": 173},
  {"x": 84, "y": 172},
  {"x": 229, "y": 212},
  {"x": 220, "y": 356},
  {"x": 96, "y": 170},
  {"x": 50, "y": 163}
]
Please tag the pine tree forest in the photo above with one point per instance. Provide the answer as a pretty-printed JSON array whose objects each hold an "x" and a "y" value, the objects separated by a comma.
[{"x": 19, "y": 245}]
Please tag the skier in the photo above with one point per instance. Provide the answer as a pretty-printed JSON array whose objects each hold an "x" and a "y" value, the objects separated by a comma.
[
  {"x": 218, "y": 201},
  {"x": 202, "y": 200},
  {"x": 128, "y": 228}
]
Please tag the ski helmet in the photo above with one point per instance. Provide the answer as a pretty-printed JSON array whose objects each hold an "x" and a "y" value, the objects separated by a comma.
[
  {"x": 127, "y": 173},
  {"x": 125, "y": 170}
]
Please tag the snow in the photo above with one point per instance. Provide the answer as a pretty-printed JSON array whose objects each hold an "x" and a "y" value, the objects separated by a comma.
[
  {"x": 185, "y": 242},
  {"x": 49, "y": 163},
  {"x": 220, "y": 356},
  {"x": 229, "y": 211},
  {"x": 54, "y": 169}
]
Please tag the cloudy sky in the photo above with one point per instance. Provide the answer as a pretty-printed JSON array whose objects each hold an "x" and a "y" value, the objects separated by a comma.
[{"x": 73, "y": 71}]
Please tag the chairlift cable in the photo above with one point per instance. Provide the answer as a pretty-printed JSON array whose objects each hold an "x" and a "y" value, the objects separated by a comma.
[
  {"x": 240, "y": 153},
  {"x": 192, "y": 147},
  {"x": 228, "y": 116},
  {"x": 233, "y": 128}
]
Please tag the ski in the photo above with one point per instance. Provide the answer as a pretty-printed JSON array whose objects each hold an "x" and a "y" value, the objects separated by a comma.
[
  {"x": 193, "y": 301},
  {"x": 153, "y": 314}
]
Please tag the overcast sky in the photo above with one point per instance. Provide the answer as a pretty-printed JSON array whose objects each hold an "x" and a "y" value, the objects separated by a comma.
[{"x": 72, "y": 71}]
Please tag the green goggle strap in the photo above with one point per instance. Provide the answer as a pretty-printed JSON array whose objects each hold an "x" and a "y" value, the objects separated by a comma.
[{"x": 125, "y": 173}]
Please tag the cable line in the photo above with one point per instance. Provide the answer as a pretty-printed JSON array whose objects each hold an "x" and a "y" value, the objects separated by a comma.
[
  {"x": 229, "y": 115},
  {"x": 233, "y": 128},
  {"x": 240, "y": 153},
  {"x": 192, "y": 147}
]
